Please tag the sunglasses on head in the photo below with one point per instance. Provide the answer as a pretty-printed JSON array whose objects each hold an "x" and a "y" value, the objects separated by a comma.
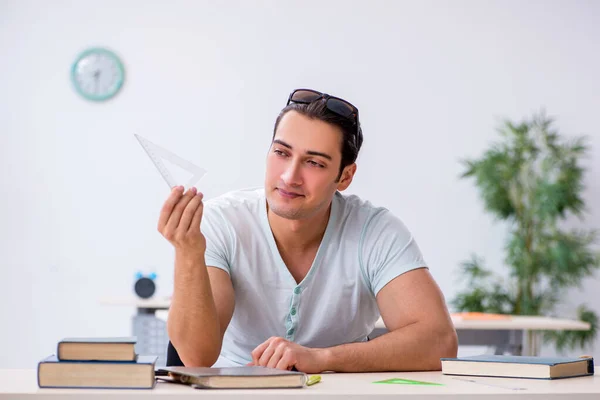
[{"x": 334, "y": 104}]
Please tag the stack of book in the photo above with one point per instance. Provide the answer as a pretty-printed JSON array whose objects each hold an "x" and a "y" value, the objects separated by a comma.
[{"x": 97, "y": 363}]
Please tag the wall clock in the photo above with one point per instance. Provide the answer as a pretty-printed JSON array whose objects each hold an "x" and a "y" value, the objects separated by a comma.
[{"x": 97, "y": 74}]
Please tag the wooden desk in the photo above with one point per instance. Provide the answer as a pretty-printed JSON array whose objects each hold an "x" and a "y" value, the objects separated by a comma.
[
  {"x": 22, "y": 385},
  {"x": 505, "y": 335}
]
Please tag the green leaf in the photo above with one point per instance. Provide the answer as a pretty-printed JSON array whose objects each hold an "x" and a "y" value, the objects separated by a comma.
[{"x": 486, "y": 292}]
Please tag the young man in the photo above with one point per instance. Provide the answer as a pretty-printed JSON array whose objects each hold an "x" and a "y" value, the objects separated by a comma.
[{"x": 296, "y": 274}]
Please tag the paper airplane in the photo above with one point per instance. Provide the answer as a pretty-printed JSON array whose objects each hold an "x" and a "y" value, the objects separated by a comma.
[{"x": 157, "y": 154}]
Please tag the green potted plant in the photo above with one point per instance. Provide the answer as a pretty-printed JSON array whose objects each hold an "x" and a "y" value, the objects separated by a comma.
[{"x": 532, "y": 179}]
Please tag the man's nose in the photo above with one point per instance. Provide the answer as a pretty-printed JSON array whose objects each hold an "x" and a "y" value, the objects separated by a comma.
[{"x": 291, "y": 175}]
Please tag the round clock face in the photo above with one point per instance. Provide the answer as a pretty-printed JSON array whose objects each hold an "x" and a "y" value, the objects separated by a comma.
[
  {"x": 144, "y": 287},
  {"x": 97, "y": 74}
]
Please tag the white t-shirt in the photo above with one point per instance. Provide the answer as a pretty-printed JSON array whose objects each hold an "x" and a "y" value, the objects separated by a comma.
[{"x": 363, "y": 248}]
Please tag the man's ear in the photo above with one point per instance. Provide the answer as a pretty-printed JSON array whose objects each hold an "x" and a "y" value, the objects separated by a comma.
[{"x": 347, "y": 176}]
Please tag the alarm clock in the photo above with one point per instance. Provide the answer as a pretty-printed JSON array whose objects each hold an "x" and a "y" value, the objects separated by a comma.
[
  {"x": 97, "y": 74},
  {"x": 144, "y": 286}
]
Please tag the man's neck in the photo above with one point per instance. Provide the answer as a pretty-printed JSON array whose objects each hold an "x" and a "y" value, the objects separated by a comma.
[{"x": 298, "y": 235}]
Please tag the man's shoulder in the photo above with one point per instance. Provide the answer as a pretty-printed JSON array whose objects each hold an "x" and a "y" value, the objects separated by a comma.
[
  {"x": 353, "y": 205},
  {"x": 370, "y": 216}
]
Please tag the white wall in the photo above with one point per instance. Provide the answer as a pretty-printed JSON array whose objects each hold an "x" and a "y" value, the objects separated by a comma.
[{"x": 206, "y": 79}]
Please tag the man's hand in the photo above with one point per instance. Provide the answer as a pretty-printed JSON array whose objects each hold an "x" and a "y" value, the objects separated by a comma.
[
  {"x": 179, "y": 222},
  {"x": 279, "y": 353}
]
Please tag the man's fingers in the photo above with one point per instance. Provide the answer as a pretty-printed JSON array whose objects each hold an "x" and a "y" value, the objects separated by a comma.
[
  {"x": 258, "y": 351},
  {"x": 189, "y": 212},
  {"x": 266, "y": 355},
  {"x": 195, "y": 224},
  {"x": 277, "y": 354},
  {"x": 167, "y": 208},
  {"x": 175, "y": 216},
  {"x": 286, "y": 362}
]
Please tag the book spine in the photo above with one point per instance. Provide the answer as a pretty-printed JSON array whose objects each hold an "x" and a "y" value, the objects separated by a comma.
[{"x": 38, "y": 374}]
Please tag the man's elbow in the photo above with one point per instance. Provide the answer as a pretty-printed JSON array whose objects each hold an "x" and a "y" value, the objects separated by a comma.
[
  {"x": 447, "y": 347},
  {"x": 198, "y": 361},
  {"x": 450, "y": 345},
  {"x": 193, "y": 353},
  {"x": 196, "y": 357}
]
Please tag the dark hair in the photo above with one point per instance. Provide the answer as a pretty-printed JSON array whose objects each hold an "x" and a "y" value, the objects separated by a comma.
[{"x": 351, "y": 139}]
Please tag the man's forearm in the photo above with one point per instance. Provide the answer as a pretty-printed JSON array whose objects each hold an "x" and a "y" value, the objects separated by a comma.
[
  {"x": 415, "y": 347},
  {"x": 193, "y": 322}
]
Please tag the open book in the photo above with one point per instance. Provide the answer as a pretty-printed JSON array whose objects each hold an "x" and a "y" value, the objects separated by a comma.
[{"x": 236, "y": 377}]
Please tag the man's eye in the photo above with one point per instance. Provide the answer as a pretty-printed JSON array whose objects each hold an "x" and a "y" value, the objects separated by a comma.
[
  {"x": 315, "y": 164},
  {"x": 279, "y": 152}
]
